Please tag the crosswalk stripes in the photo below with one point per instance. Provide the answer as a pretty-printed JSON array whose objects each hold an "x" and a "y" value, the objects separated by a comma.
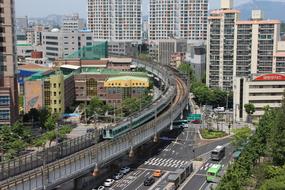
[
  {"x": 206, "y": 166},
  {"x": 162, "y": 162}
]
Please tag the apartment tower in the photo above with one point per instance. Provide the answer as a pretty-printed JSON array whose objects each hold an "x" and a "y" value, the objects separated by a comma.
[
  {"x": 8, "y": 78},
  {"x": 114, "y": 20},
  {"x": 179, "y": 19},
  {"x": 256, "y": 42},
  {"x": 220, "y": 46}
]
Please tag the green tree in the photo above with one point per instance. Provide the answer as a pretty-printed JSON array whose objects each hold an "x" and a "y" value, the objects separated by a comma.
[
  {"x": 249, "y": 109},
  {"x": 187, "y": 69},
  {"x": 50, "y": 136},
  {"x": 219, "y": 97},
  {"x": 241, "y": 136},
  {"x": 44, "y": 114},
  {"x": 50, "y": 123},
  {"x": 277, "y": 143},
  {"x": 97, "y": 106},
  {"x": 130, "y": 105},
  {"x": 64, "y": 130},
  {"x": 203, "y": 95},
  {"x": 13, "y": 139}
]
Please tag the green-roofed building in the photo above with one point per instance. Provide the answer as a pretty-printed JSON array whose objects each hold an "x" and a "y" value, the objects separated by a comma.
[{"x": 95, "y": 52}]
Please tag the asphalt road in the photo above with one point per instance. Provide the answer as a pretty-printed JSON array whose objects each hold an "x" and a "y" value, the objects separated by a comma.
[
  {"x": 175, "y": 152},
  {"x": 198, "y": 181}
]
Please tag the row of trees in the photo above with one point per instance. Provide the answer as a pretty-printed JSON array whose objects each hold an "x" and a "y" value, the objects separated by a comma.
[
  {"x": 265, "y": 150},
  {"x": 15, "y": 139},
  {"x": 129, "y": 105},
  {"x": 203, "y": 94}
]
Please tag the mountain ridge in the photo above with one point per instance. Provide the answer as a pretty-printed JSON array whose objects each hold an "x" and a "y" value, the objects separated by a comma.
[{"x": 265, "y": 6}]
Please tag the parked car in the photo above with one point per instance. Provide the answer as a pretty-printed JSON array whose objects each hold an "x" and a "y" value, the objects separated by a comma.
[
  {"x": 109, "y": 182},
  {"x": 118, "y": 175},
  {"x": 148, "y": 181},
  {"x": 125, "y": 170}
]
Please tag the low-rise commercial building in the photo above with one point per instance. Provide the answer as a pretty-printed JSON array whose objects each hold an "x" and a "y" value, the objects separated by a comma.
[
  {"x": 60, "y": 44},
  {"x": 94, "y": 82},
  {"x": 48, "y": 90},
  {"x": 27, "y": 70},
  {"x": 119, "y": 88},
  {"x": 122, "y": 64},
  {"x": 260, "y": 90}
]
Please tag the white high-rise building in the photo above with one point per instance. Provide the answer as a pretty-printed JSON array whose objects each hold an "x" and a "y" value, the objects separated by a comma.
[
  {"x": 179, "y": 19},
  {"x": 114, "y": 20},
  {"x": 72, "y": 23}
]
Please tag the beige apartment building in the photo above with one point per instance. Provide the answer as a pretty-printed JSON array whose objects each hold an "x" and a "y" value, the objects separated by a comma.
[
  {"x": 256, "y": 42},
  {"x": 240, "y": 48},
  {"x": 8, "y": 78},
  {"x": 220, "y": 46}
]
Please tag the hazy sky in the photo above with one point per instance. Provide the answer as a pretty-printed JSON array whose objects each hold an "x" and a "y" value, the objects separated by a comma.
[{"x": 42, "y": 8}]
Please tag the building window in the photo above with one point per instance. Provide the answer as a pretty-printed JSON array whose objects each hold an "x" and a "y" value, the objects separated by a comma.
[
  {"x": 91, "y": 87},
  {"x": 4, "y": 115},
  {"x": 54, "y": 93},
  {"x": 4, "y": 100},
  {"x": 54, "y": 101},
  {"x": 54, "y": 85}
]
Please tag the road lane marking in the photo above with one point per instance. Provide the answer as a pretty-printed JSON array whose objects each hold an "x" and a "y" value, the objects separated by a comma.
[
  {"x": 130, "y": 182},
  {"x": 203, "y": 185},
  {"x": 159, "y": 180}
]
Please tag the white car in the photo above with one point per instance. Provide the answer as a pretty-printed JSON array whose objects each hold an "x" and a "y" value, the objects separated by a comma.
[
  {"x": 109, "y": 182},
  {"x": 219, "y": 109},
  {"x": 125, "y": 170}
]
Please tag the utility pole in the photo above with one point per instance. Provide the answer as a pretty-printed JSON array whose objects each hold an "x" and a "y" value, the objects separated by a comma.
[{"x": 227, "y": 104}]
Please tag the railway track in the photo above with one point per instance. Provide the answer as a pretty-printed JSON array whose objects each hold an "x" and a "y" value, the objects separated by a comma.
[{"x": 91, "y": 155}]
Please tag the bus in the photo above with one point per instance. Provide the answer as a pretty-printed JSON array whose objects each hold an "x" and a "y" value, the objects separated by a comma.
[
  {"x": 213, "y": 173},
  {"x": 218, "y": 153}
]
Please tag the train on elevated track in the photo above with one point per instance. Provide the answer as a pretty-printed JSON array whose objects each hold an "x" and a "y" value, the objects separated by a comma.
[{"x": 147, "y": 114}]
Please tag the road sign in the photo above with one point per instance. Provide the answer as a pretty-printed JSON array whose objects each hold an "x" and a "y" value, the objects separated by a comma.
[{"x": 194, "y": 117}]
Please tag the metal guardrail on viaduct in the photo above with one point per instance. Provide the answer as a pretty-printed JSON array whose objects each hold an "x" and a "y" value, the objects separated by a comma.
[{"x": 84, "y": 158}]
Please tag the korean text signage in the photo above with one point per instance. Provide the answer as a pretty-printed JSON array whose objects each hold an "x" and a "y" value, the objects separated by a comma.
[{"x": 270, "y": 77}]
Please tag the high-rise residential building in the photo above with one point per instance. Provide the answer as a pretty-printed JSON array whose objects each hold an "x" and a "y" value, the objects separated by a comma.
[
  {"x": 220, "y": 46},
  {"x": 72, "y": 23},
  {"x": 256, "y": 41},
  {"x": 113, "y": 20},
  {"x": 180, "y": 19},
  {"x": 8, "y": 78}
]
